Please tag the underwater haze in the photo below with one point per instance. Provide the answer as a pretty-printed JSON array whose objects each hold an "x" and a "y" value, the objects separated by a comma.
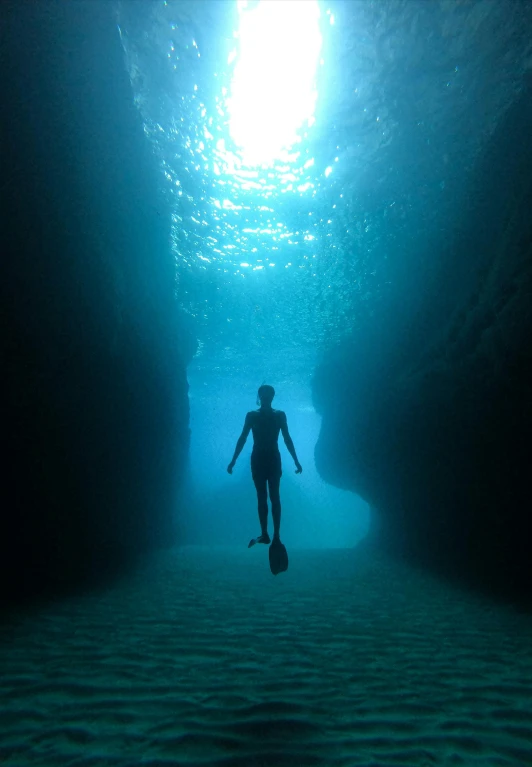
[
  {"x": 311, "y": 153},
  {"x": 314, "y": 514},
  {"x": 209, "y": 196}
]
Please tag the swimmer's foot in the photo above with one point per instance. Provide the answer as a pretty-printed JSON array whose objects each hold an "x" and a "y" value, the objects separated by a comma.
[{"x": 264, "y": 538}]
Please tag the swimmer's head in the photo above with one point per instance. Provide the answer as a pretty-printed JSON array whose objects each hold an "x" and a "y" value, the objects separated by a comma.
[{"x": 265, "y": 394}]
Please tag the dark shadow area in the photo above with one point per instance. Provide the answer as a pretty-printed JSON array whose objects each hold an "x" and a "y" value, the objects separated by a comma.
[
  {"x": 96, "y": 425},
  {"x": 427, "y": 414}
]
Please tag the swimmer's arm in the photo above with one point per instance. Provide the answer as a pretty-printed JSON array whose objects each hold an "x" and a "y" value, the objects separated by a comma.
[
  {"x": 288, "y": 442},
  {"x": 240, "y": 442}
]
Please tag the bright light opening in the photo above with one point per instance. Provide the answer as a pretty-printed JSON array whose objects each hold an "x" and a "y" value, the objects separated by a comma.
[{"x": 273, "y": 92}]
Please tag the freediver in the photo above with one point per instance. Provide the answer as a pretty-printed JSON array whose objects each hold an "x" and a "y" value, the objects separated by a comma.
[{"x": 266, "y": 423}]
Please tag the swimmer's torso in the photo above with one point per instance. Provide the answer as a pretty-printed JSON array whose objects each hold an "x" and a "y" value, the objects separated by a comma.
[{"x": 265, "y": 425}]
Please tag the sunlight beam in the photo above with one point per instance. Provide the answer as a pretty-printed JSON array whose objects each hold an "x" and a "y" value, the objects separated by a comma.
[{"x": 273, "y": 91}]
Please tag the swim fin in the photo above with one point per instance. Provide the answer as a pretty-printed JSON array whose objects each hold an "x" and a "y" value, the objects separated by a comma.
[{"x": 278, "y": 557}]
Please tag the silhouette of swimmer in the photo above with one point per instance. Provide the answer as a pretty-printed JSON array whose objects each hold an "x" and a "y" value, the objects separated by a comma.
[{"x": 266, "y": 423}]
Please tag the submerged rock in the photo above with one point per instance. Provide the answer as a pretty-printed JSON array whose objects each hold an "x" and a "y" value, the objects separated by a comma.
[
  {"x": 427, "y": 414},
  {"x": 96, "y": 394}
]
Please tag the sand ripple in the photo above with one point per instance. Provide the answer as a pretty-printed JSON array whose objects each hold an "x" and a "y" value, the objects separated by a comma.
[{"x": 204, "y": 658}]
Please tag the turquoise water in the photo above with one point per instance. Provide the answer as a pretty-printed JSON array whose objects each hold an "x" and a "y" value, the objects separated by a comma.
[
  {"x": 276, "y": 261},
  {"x": 284, "y": 249},
  {"x": 199, "y": 656}
]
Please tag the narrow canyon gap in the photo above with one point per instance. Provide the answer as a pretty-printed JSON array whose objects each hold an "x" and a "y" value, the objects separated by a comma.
[{"x": 331, "y": 198}]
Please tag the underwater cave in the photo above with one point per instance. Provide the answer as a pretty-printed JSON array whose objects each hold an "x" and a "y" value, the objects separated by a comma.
[{"x": 204, "y": 198}]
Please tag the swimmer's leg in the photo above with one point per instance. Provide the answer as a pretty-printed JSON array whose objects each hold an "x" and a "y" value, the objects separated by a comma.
[
  {"x": 262, "y": 501},
  {"x": 275, "y": 498}
]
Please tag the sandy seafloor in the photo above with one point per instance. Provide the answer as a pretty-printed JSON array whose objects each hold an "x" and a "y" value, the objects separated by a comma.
[{"x": 204, "y": 658}]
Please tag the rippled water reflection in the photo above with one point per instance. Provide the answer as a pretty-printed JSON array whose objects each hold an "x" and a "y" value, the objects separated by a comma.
[{"x": 292, "y": 255}]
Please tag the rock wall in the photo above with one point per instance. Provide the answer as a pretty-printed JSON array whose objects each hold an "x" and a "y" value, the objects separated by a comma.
[
  {"x": 96, "y": 424},
  {"x": 427, "y": 414}
]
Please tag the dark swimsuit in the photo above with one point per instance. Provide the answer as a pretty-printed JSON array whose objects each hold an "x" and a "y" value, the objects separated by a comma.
[
  {"x": 265, "y": 465},
  {"x": 265, "y": 457}
]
